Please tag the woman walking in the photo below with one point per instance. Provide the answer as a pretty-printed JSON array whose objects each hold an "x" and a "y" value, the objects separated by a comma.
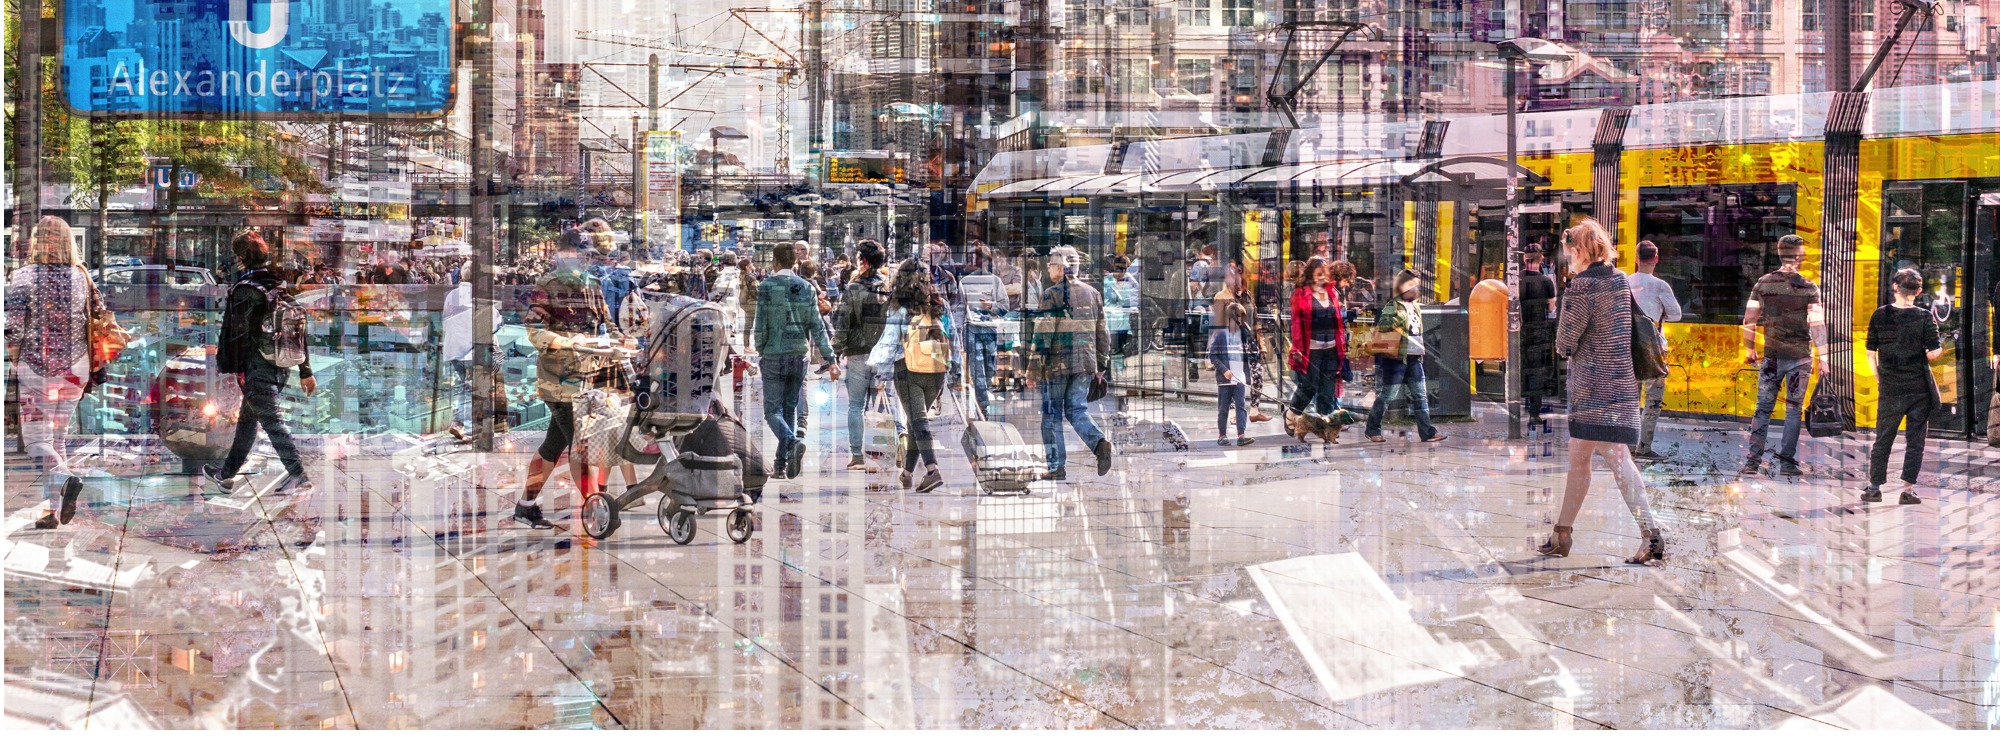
[
  {"x": 1232, "y": 351},
  {"x": 1405, "y": 368},
  {"x": 1319, "y": 353},
  {"x": 918, "y": 339},
  {"x": 1595, "y": 334},
  {"x": 50, "y": 301}
]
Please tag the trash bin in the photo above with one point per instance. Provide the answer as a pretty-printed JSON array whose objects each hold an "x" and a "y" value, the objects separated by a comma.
[{"x": 1448, "y": 364}]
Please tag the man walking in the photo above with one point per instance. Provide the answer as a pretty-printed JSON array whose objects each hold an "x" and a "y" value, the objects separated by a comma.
[
  {"x": 1656, "y": 300},
  {"x": 1074, "y": 345},
  {"x": 241, "y": 353},
  {"x": 857, "y": 325},
  {"x": 1787, "y": 307},
  {"x": 1538, "y": 334},
  {"x": 787, "y": 315}
]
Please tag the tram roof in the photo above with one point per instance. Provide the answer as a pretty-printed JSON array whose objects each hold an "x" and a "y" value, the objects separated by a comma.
[{"x": 1323, "y": 156}]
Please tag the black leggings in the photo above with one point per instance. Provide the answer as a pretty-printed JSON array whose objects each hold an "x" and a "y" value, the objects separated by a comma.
[
  {"x": 562, "y": 431},
  {"x": 919, "y": 390}
]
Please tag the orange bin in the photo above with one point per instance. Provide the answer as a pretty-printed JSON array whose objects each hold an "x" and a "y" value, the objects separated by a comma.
[{"x": 1488, "y": 312}]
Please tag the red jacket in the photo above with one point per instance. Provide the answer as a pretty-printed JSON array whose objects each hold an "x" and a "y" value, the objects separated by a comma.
[{"x": 1302, "y": 315}]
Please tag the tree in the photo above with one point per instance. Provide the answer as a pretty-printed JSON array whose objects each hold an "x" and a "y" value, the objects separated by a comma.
[{"x": 246, "y": 163}]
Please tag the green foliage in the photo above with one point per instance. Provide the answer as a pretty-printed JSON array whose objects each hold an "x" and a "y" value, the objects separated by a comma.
[{"x": 239, "y": 161}]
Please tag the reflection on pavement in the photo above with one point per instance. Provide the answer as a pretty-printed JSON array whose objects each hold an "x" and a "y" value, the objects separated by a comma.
[{"x": 1375, "y": 585}]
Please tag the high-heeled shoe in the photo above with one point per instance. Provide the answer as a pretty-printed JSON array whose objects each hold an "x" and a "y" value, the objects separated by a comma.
[
  {"x": 1655, "y": 551},
  {"x": 1553, "y": 548}
]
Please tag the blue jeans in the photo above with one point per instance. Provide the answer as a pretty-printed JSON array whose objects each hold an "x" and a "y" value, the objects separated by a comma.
[
  {"x": 1065, "y": 397},
  {"x": 784, "y": 390},
  {"x": 260, "y": 408},
  {"x": 1406, "y": 373},
  {"x": 1792, "y": 375},
  {"x": 860, "y": 381},
  {"x": 1225, "y": 397},
  {"x": 981, "y": 356}
]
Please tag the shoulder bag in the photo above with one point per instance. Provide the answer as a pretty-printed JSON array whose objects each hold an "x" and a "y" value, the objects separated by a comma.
[
  {"x": 107, "y": 339},
  {"x": 1383, "y": 342},
  {"x": 1649, "y": 353}
]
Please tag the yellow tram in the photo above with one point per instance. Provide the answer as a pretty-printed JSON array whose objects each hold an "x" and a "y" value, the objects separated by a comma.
[{"x": 1713, "y": 183}]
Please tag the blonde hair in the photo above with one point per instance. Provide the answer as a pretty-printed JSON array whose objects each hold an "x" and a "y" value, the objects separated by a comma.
[
  {"x": 1588, "y": 243},
  {"x": 52, "y": 243}
]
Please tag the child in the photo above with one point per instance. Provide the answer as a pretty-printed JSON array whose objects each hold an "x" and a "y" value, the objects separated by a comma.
[{"x": 1232, "y": 350}]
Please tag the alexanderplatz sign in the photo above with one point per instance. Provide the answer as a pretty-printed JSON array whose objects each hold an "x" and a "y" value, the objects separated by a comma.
[{"x": 259, "y": 59}]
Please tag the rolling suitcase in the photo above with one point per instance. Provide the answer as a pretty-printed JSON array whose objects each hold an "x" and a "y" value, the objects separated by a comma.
[{"x": 1001, "y": 461}]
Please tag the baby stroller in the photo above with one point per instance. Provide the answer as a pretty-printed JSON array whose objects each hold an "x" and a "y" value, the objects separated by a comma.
[{"x": 701, "y": 457}]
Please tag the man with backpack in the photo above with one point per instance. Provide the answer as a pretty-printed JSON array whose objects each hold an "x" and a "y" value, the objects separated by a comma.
[
  {"x": 786, "y": 317},
  {"x": 263, "y": 338},
  {"x": 857, "y": 326}
]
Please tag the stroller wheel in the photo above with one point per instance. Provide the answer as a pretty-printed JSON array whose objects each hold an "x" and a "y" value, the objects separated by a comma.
[
  {"x": 600, "y": 515},
  {"x": 739, "y": 526},
  {"x": 679, "y": 525}
]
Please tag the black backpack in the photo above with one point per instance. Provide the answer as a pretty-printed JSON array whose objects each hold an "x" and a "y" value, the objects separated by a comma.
[{"x": 1825, "y": 414}]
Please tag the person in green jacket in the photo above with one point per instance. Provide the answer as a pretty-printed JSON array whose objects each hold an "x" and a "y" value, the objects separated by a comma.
[
  {"x": 787, "y": 316},
  {"x": 1406, "y": 368}
]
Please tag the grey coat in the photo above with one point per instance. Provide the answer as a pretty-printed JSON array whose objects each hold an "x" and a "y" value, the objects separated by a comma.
[{"x": 1595, "y": 334}]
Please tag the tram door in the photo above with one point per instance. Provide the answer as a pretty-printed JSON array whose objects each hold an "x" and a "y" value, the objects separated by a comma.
[
  {"x": 1945, "y": 231},
  {"x": 1984, "y": 311}
]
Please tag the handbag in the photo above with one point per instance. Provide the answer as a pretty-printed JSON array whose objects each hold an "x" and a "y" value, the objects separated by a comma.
[
  {"x": 1825, "y": 416},
  {"x": 1387, "y": 343},
  {"x": 1649, "y": 353},
  {"x": 107, "y": 339},
  {"x": 1100, "y": 385}
]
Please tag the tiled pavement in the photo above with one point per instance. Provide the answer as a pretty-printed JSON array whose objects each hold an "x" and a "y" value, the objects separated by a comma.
[{"x": 1362, "y": 585}]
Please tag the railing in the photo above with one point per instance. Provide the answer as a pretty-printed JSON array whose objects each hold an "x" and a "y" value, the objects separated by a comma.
[{"x": 377, "y": 356}]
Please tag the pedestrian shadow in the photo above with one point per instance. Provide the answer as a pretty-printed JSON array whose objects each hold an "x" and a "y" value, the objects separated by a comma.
[{"x": 1813, "y": 514}]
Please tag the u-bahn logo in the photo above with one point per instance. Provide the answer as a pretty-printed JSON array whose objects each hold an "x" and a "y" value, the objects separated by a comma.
[{"x": 274, "y": 29}]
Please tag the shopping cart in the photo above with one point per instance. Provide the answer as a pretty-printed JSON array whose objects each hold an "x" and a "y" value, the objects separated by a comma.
[{"x": 674, "y": 396}]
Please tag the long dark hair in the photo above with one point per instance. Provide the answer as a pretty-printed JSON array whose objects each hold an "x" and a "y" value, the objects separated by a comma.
[
  {"x": 912, "y": 290},
  {"x": 1309, "y": 276}
]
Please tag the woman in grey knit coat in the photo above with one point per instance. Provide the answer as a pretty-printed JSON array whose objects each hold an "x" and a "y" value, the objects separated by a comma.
[{"x": 1595, "y": 334}]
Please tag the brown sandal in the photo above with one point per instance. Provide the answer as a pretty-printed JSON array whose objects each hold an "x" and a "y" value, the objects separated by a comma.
[{"x": 1552, "y": 548}]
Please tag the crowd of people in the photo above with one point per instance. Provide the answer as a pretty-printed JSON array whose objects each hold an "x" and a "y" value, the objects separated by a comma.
[{"x": 923, "y": 328}]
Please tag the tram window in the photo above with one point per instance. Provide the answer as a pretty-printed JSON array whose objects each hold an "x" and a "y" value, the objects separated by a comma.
[
  {"x": 1923, "y": 228},
  {"x": 1715, "y": 240}
]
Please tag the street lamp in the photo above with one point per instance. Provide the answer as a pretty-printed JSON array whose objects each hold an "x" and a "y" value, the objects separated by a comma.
[
  {"x": 1514, "y": 51},
  {"x": 715, "y": 135}
]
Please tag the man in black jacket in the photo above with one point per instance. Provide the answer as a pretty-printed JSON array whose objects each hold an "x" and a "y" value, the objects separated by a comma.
[
  {"x": 240, "y": 354},
  {"x": 1538, "y": 334},
  {"x": 857, "y": 325}
]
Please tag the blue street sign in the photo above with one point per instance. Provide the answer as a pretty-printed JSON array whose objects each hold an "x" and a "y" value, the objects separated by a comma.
[
  {"x": 270, "y": 59},
  {"x": 189, "y": 178}
]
